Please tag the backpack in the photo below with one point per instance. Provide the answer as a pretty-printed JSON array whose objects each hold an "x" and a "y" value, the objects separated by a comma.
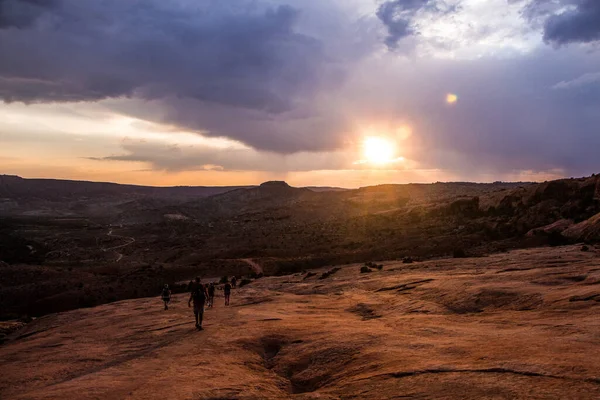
[
  {"x": 198, "y": 294},
  {"x": 165, "y": 293}
]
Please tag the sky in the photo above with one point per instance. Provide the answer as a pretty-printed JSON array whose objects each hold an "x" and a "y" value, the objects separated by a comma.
[{"x": 343, "y": 93}]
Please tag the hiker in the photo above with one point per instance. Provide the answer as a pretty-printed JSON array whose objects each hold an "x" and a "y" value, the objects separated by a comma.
[
  {"x": 233, "y": 281},
  {"x": 198, "y": 296},
  {"x": 166, "y": 296},
  {"x": 227, "y": 292},
  {"x": 211, "y": 295}
]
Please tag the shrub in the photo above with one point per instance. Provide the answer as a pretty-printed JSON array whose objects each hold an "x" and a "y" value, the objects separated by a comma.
[
  {"x": 585, "y": 248},
  {"x": 407, "y": 260},
  {"x": 244, "y": 282},
  {"x": 327, "y": 274},
  {"x": 459, "y": 253},
  {"x": 364, "y": 269},
  {"x": 224, "y": 279},
  {"x": 309, "y": 274},
  {"x": 557, "y": 239},
  {"x": 373, "y": 265}
]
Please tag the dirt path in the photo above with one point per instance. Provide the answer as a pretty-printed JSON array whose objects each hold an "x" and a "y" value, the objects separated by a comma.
[
  {"x": 128, "y": 238},
  {"x": 256, "y": 267}
]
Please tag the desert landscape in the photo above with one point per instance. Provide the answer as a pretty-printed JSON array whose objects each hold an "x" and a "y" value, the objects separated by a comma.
[
  {"x": 522, "y": 324},
  {"x": 391, "y": 199},
  {"x": 401, "y": 291},
  {"x": 65, "y": 244}
]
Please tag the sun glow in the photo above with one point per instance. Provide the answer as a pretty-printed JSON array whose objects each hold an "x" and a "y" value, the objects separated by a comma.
[{"x": 378, "y": 150}]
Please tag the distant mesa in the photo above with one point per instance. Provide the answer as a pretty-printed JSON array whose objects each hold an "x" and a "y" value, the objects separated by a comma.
[
  {"x": 275, "y": 184},
  {"x": 278, "y": 188}
]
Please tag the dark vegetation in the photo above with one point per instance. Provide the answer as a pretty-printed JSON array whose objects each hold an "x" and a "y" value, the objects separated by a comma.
[
  {"x": 327, "y": 274},
  {"x": 244, "y": 282},
  {"x": 374, "y": 265},
  {"x": 370, "y": 266},
  {"x": 68, "y": 246}
]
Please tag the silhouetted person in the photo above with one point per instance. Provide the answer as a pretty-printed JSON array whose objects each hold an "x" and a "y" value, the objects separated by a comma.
[
  {"x": 198, "y": 296},
  {"x": 166, "y": 296},
  {"x": 211, "y": 295},
  {"x": 233, "y": 281},
  {"x": 227, "y": 292}
]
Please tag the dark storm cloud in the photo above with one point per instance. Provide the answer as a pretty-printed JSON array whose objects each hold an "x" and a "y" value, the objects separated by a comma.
[
  {"x": 511, "y": 115},
  {"x": 288, "y": 78},
  {"x": 581, "y": 24},
  {"x": 565, "y": 21},
  {"x": 312, "y": 126},
  {"x": 244, "y": 69},
  {"x": 173, "y": 158},
  {"x": 508, "y": 115},
  {"x": 22, "y": 13},
  {"x": 235, "y": 53},
  {"x": 399, "y": 17}
]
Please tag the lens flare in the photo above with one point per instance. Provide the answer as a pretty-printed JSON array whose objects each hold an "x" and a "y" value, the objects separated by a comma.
[{"x": 451, "y": 98}]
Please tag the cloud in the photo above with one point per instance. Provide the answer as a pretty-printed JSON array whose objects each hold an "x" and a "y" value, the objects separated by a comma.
[
  {"x": 583, "y": 80},
  {"x": 565, "y": 21},
  {"x": 22, "y": 13},
  {"x": 174, "y": 158},
  {"x": 507, "y": 118},
  {"x": 578, "y": 24},
  {"x": 239, "y": 53},
  {"x": 399, "y": 17},
  {"x": 297, "y": 81},
  {"x": 250, "y": 70}
]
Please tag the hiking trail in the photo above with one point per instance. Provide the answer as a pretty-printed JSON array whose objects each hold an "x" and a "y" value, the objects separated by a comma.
[{"x": 256, "y": 267}]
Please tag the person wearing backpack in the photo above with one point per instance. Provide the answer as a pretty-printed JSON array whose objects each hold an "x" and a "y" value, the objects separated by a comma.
[
  {"x": 166, "y": 296},
  {"x": 198, "y": 296},
  {"x": 211, "y": 295},
  {"x": 227, "y": 292}
]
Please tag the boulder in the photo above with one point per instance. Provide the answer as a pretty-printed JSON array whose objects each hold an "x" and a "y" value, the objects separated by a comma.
[
  {"x": 588, "y": 230},
  {"x": 465, "y": 207},
  {"x": 561, "y": 190},
  {"x": 555, "y": 227}
]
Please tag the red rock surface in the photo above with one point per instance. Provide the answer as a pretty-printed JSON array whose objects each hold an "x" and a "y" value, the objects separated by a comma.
[{"x": 515, "y": 325}]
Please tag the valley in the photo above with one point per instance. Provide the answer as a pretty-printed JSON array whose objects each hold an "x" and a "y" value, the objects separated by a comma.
[{"x": 59, "y": 252}]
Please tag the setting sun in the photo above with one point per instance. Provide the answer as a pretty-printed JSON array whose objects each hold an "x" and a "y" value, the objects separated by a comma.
[{"x": 378, "y": 150}]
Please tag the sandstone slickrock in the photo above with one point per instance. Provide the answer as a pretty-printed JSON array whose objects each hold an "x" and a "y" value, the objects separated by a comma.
[
  {"x": 517, "y": 325},
  {"x": 588, "y": 230},
  {"x": 555, "y": 227}
]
